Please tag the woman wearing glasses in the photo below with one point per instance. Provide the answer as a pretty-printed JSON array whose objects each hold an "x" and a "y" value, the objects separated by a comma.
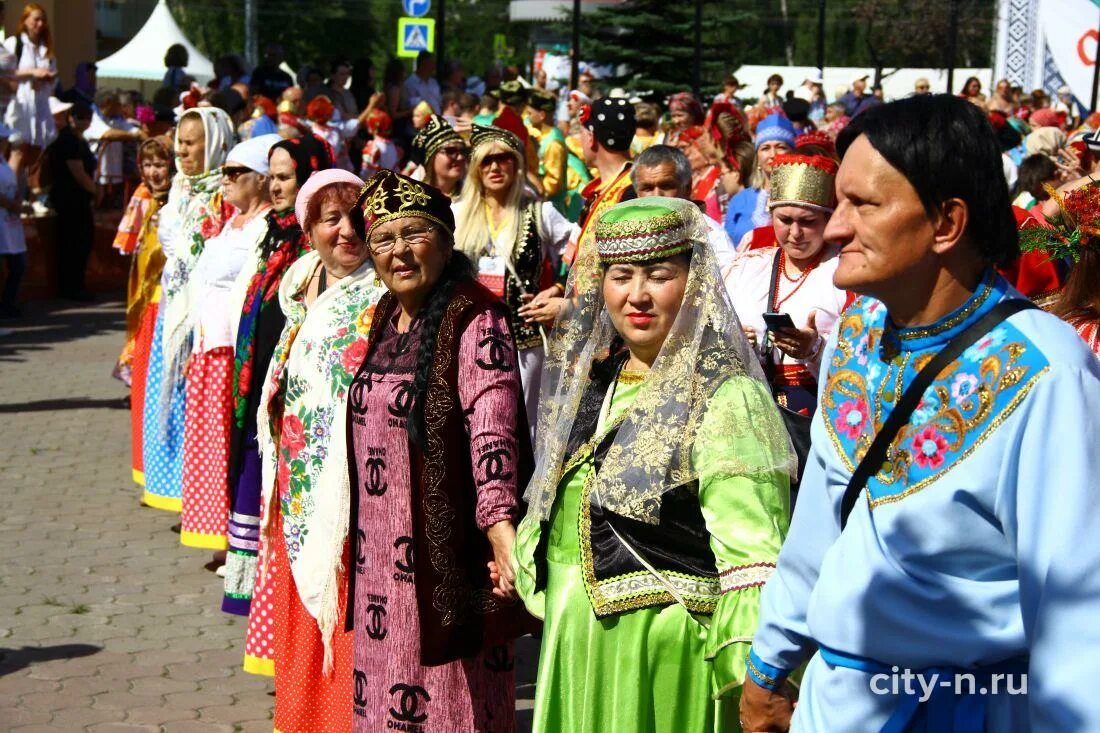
[
  {"x": 515, "y": 242},
  {"x": 441, "y": 155},
  {"x": 438, "y": 450},
  {"x": 328, "y": 297},
  {"x": 214, "y": 316}
]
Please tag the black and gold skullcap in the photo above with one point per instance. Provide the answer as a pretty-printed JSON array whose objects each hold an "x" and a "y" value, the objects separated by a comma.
[
  {"x": 511, "y": 93},
  {"x": 431, "y": 138},
  {"x": 543, "y": 101},
  {"x": 388, "y": 196},
  {"x": 481, "y": 135}
]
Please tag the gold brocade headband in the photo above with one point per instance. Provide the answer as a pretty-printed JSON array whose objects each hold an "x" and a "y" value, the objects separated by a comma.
[{"x": 803, "y": 180}]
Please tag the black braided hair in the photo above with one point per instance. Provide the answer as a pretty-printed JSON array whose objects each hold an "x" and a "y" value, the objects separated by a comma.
[{"x": 458, "y": 269}]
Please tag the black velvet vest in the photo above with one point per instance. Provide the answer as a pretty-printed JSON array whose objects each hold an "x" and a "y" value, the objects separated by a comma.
[{"x": 678, "y": 546}]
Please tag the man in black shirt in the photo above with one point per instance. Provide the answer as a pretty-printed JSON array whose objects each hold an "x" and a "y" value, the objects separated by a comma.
[
  {"x": 72, "y": 166},
  {"x": 267, "y": 78}
]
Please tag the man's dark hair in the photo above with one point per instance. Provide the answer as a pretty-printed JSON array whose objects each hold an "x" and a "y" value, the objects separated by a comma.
[
  {"x": 656, "y": 155},
  {"x": 80, "y": 110},
  {"x": 1034, "y": 171},
  {"x": 422, "y": 57},
  {"x": 946, "y": 148},
  {"x": 228, "y": 100}
]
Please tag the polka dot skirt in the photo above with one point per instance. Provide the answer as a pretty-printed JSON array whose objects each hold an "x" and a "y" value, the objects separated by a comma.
[
  {"x": 162, "y": 436},
  {"x": 206, "y": 450},
  {"x": 259, "y": 649}
]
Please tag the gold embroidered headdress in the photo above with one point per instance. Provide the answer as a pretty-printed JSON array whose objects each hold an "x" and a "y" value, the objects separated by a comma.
[
  {"x": 388, "y": 196},
  {"x": 803, "y": 180}
]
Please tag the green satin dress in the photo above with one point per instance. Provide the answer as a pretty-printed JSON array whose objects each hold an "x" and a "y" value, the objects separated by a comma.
[{"x": 651, "y": 670}]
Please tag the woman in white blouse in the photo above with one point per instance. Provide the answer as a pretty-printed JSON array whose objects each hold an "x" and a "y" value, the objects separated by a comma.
[
  {"x": 220, "y": 280},
  {"x": 794, "y": 279}
]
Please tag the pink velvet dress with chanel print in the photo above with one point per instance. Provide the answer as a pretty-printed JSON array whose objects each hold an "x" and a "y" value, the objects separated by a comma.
[{"x": 392, "y": 690}]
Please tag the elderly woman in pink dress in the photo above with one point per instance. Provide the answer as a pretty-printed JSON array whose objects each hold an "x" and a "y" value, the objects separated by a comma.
[{"x": 438, "y": 451}]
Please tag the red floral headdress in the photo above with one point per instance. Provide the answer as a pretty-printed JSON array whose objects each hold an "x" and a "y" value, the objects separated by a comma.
[{"x": 1077, "y": 226}]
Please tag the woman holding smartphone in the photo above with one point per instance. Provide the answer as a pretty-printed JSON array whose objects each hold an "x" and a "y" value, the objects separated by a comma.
[{"x": 794, "y": 279}]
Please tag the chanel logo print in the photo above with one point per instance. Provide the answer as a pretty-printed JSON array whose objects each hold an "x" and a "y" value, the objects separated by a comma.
[
  {"x": 358, "y": 392},
  {"x": 360, "y": 688},
  {"x": 493, "y": 353},
  {"x": 376, "y": 621},
  {"x": 409, "y": 699},
  {"x": 496, "y": 465},
  {"x": 373, "y": 481},
  {"x": 360, "y": 546},
  {"x": 404, "y": 561},
  {"x": 402, "y": 399}
]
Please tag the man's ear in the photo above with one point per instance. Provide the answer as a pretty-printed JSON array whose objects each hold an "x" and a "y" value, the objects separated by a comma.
[{"x": 949, "y": 228}]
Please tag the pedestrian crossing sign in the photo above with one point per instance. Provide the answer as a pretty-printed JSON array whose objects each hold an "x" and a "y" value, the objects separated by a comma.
[{"x": 415, "y": 35}]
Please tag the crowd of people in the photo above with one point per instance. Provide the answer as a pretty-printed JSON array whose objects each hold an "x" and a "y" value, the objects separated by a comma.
[{"x": 434, "y": 366}]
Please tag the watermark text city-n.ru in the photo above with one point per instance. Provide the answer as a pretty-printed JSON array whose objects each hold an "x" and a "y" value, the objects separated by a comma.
[{"x": 924, "y": 684}]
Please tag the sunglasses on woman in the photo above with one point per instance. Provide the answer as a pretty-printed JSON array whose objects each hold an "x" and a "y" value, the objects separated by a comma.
[
  {"x": 501, "y": 159},
  {"x": 233, "y": 172},
  {"x": 454, "y": 152}
]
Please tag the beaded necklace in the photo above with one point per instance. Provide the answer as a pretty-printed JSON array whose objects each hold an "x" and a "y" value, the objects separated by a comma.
[{"x": 781, "y": 271}]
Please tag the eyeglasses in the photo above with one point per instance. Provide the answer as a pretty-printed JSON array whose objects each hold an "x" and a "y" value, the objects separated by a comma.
[
  {"x": 454, "y": 152},
  {"x": 235, "y": 172},
  {"x": 411, "y": 237},
  {"x": 501, "y": 159}
]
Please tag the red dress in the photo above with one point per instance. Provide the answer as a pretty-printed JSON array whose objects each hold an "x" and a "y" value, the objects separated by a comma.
[
  {"x": 305, "y": 699},
  {"x": 139, "y": 369}
]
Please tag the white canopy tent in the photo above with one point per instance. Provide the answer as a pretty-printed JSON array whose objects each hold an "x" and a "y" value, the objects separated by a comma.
[
  {"x": 896, "y": 83},
  {"x": 143, "y": 57}
]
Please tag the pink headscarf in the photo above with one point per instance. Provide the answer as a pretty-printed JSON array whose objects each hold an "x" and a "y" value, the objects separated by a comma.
[{"x": 315, "y": 183}]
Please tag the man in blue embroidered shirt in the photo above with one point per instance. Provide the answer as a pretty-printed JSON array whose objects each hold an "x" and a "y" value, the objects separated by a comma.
[{"x": 975, "y": 546}]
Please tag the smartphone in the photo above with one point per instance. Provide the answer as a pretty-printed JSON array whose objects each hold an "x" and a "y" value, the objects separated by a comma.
[{"x": 777, "y": 321}]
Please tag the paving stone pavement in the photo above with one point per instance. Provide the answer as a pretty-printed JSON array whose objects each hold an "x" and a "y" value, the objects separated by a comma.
[{"x": 106, "y": 622}]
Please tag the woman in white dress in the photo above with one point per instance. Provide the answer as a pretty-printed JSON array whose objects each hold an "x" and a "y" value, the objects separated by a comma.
[{"x": 28, "y": 112}]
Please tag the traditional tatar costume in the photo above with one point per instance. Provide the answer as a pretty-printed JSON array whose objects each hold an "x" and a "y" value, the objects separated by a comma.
[
  {"x": 965, "y": 552},
  {"x": 659, "y": 500},
  {"x": 757, "y": 282},
  {"x": 563, "y": 174},
  {"x": 612, "y": 122}
]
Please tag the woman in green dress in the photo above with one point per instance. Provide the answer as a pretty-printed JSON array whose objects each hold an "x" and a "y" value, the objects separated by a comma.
[{"x": 661, "y": 492}]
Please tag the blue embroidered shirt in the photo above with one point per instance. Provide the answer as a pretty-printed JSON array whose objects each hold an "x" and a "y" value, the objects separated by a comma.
[{"x": 978, "y": 541}]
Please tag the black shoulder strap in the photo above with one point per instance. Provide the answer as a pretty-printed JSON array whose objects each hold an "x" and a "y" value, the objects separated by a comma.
[
  {"x": 773, "y": 284},
  {"x": 899, "y": 416},
  {"x": 18, "y": 48}
]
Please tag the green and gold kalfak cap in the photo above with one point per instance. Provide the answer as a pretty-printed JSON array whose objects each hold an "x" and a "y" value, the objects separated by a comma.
[{"x": 645, "y": 229}]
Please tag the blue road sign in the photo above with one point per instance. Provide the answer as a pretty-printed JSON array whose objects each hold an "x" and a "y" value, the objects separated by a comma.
[{"x": 416, "y": 8}]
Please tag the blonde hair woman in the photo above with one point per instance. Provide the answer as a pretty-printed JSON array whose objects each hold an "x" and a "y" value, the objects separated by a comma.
[{"x": 515, "y": 241}]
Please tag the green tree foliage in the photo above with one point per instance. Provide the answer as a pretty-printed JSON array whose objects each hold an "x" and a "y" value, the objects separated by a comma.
[
  {"x": 318, "y": 32},
  {"x": 652, "y": 40}
]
